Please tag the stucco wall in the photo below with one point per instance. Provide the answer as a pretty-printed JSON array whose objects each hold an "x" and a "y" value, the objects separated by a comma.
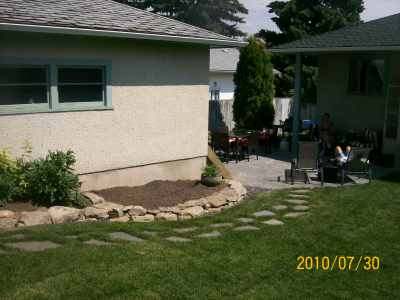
[
  {"x": 159, "y": 95},
  {"x": 224, "y": 83},
  {"x": 347, "y": 111}
]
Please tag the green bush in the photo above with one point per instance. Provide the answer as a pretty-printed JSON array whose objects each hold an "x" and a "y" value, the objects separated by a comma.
[
  {"x": 210, "y": 171},
  {"x": 51, "y": 181},
  {"x": 8, "y": 177}
]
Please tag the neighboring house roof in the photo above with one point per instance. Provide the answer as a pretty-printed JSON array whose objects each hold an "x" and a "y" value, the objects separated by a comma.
[
  {"x": 225, "y": 60},
  {"x": 101, "y": 18},
  {"x": 380, "y": 34}
]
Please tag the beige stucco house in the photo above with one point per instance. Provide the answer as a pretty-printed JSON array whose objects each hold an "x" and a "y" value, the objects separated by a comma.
[
  {"x": 359, "y": 78},
  {"x": 125, "y": 89}
]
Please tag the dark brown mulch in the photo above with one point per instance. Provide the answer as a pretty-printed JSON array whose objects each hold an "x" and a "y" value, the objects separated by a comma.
[{"x": 159, "y": 193}]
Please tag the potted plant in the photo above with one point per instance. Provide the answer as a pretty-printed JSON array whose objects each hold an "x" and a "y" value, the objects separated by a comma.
[{"x": 210, "y": 176}]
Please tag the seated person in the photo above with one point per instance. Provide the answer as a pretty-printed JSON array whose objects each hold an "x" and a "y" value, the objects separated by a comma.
[{"x": 342, "y": 157}]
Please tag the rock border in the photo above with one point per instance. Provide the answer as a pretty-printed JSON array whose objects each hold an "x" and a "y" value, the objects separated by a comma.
[{"x": 102, "y": 210}]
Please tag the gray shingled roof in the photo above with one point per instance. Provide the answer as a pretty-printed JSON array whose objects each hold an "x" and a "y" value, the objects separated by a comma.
[
  {"x": 106, "y": 15},
  {"x": 377, "y": 34}
]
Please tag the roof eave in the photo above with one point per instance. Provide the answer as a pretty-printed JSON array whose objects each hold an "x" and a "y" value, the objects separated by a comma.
[
  {"x": 119, "y": 34},
  {"x": 334, "y": 49}
]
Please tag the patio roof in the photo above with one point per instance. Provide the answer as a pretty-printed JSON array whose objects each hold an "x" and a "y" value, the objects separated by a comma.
[{"x": 377, "y": 35}]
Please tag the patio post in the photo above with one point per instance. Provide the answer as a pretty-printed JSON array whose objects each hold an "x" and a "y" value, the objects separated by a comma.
[{"x": 296, "y": 105}]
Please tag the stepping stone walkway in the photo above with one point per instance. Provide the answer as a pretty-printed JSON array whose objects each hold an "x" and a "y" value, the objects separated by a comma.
[
  {"x": 279, "y": 207},
  {"x": 185, "y": 230},
  {"x": 300, "y": 208},
  {"x": 34, "y": 246},
  {"x": 94, "y": 242},
  {"x": 297, "y": 202},
  {"x": 273, "y": 222},
  {"x": 212, "y": 234},
  {"x": 264, "y": 213},
  {"x": 220, "y": 225},
  {"x": 245, "y": 220},
  {"x": 150, "y": 233},
  {"x": 303, "y": 197},
  {"x": 125, "y": 237},
  {"x": 301, "y": 192},
  {"x": 246, "y": 228},
  {"x": 294, "y": 215},
  {"x": 178, "y": 239}
]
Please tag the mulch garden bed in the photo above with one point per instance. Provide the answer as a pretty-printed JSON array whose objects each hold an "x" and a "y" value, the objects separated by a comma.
[{"x": 159, "y": 193}]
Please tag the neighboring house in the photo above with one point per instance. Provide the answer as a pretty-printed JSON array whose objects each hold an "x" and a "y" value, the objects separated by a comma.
[
  {"x": 223, "y": 63},
  {"x": 125, "y": 89},
  {"x": 359, "y": 77}
]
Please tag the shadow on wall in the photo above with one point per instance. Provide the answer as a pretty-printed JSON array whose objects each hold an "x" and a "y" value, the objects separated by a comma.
[
  {"x": 134, "y": 62},
  {"x": 221, "y": 116}
]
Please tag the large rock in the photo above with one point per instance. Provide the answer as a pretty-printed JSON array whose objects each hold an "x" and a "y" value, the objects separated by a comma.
[
  {"x": 217, "y": 200},
  {"x": 230, "y": 195},
  {"x": 97, "y": 213},
  {"x": 7, "y": 214},
  {"x": 109, "y": 206},
  {"x": 61, "y": 214},
  {"x": 137, "y": 211},
  {"x": 196, "y": 202},
  {"x": 166, "y": 217},
  {"x": 123, "y": 219},
  {"x": 94, "y": 198},
  {"x": 238, "y": 187},
  {"x": 7, "y": 223},
  {"x": 143, "y": 219},
  {"x": 194, "y": 211},
  {"x": 31, "y": 218}
]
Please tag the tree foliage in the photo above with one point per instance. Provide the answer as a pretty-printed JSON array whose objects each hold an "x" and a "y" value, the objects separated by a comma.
[
  {"x": 297, "y": 19},
  {"x": 254, "y": 92},
  {"x": 222, "y": 16}
]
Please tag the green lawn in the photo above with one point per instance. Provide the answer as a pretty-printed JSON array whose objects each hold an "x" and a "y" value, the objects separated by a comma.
[{"x": 363, "y": 220}]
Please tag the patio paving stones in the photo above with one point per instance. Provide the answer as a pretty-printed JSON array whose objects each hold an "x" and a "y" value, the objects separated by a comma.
[
  {"x": 264, "y": 213},
  {"x": 273, "y": 222},
  {"x": 94, "y": 242},
  {"x": 125, "y": 237},
  {"x": 245, "y": 220},
  {"x": 297, "y": 202},
  {"x": 33, "y": 246},
  {"x": 279, "y": 207},
  {"x": 178, "y": 239},
  {"x": 300, "y": 208},
  {"x": 246, "y": 228},
  {"x": 185, "y": 230},
  {"x": 294, "y": 215},
  {"x": 212, "y": 234},
  {"x": 220, "y": 225}
]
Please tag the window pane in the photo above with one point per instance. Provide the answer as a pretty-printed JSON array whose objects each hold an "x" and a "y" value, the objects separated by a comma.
[
  {"x": 80, "y": 75},
  {"x": 11, "y": 95},
  {"x": 80, "y": 93},
  {"x": 13, "y": 75}
]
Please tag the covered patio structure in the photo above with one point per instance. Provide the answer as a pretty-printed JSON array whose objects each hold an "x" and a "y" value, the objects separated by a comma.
[{"x": 359, "y": 81}]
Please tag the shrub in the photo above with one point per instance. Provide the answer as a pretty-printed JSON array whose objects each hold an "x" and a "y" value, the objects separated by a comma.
[
  {"x": 51, "y": 181},
  {"x": 210, "y": 171},
  {"x": 8, "y": 177}
]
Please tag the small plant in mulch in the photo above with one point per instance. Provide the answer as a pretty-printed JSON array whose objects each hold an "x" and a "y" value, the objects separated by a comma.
[{"x": 210, "y": 176}]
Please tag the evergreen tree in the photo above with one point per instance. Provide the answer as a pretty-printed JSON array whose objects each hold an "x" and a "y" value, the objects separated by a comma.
[
  {"x": 254, "y": 92},
  {"x": 222, "y": 16}
]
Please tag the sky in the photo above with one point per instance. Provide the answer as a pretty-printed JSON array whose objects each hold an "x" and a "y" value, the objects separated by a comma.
[{"x": 259, "y": 18}]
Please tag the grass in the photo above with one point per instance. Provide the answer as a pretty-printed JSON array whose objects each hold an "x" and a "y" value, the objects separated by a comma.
[{"x": 361, "y": 220}]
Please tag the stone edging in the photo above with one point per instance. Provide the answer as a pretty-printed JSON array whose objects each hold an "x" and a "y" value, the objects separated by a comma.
[{"x": 102, "y": 210}]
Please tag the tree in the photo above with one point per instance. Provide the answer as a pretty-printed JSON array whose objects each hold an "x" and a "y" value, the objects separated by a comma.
[
  {"x": 254, "y": 92},
  {"x": 297, "y": 19},
  {"x": 222, "y": 16}
]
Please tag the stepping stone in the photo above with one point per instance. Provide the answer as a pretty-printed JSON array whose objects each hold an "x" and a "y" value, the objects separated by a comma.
[
  {"x": 178, "y": 239},
  {"x": 18, "y": 236},
  {"x": 185, "y": 230},
  {"x": 279, "y": 207},
  {"x": 220, "y": 225},
  {"x": 150, "y": 233},
  {"x": 273, "y": 222},
  {"x": 2, "y": 252},
  {"x": 303, "y": 197},
  {"x": 300, "y": 208},
  {"x": 125, "y": 237},
  {"x": 96, "y": 243},
  {"x": 297, "y": 202},
  {"x": 212, "y": 234},
  {"x": 245, "y": 220},
  {"x": 71, "y": 237},
  {"x": 294, "y": 215},
  {"x": 264, "y": 213},
  {"x": 301, "y": 192},
  {"x": 34, "y": 246},
  {"x": 246, "y": 228}
]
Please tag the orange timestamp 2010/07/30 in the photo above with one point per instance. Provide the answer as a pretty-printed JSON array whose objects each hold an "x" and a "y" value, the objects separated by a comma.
[{"x": 338, "y": 263}]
